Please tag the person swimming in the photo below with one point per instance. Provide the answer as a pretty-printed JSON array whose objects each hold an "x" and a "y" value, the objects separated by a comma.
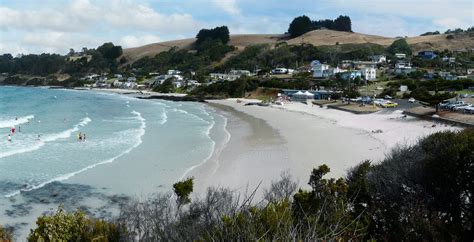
[
  {"x": 79, "y": 136},
  {"x": 9, "y": 138}
]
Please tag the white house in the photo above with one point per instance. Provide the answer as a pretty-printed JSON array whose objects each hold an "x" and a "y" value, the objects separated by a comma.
[
  {"x": 174, "y": 72},
  {"x": 280, "y": 71},
  {"x": 224, "y": 77},
  {"x": 318, "y": 69},
  {"x": 378, "y": 58},
  {"x": 240, "y": 72},
  {"x": 369, "y": 73},
  {"x": 400, "y": 55},
  {"x": 332, "y": 71}
]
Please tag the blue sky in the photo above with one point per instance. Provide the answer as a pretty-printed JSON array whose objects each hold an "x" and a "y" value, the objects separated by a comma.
[{"x": 32, "y": 26}]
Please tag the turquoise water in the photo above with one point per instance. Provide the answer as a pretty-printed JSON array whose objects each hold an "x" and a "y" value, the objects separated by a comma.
[{"x": 114, "y": 125}]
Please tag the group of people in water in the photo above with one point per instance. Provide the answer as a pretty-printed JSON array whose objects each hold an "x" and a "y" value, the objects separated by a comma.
[{"x": 80, "y": 136}]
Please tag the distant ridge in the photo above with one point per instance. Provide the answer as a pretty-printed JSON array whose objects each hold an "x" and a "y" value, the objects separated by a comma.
[{"x": 316, "y": 38}]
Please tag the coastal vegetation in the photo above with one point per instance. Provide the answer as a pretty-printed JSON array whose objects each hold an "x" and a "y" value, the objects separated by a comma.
[{"x": 418, "y": 192}]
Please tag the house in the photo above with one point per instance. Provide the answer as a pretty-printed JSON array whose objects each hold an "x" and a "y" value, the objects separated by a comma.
[
  {"x": 369, "y": 73},
  {"x": 447, "y": 76},
  {"x": 378, "y": 58},
  {"x": 400, "y": 55},
  {"x": 363, "y": 64},
  {"x": 403, "y": 68},
  {"x": 470, "y": 71},
  {"x": 449, "y": 59},
  {"x": 403, "y": 88},
  {"x": 240, "y": 72},
  {"x": 174, "y": 72},
  {"x": 318, "y": 69},
  {"x": 351, "y": 75},
  {"x": 224, "y": 77},
  {"x": 131, "y": 79},
  {"x": 427, "y": 55},
  {"x": 277, "y": 71},
  {"x": 332, "y": 72},
  {"x": 346, "y": 64},
  {"x": 117, "y": 83}
]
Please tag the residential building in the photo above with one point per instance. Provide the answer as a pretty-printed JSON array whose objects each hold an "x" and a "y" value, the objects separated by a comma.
[
  {"x": 132, "y": 79},
  {"x": 400, "y": 55},
  {"x": 332, "y": 72},
  {"x": 224, "y": 77},
  {"x": 427, "y": 55},
  {"x": 240, "y": 72},
  {"x": 351, "y": 75},
  {"x": 449, "y": 59},
  {"x": 369, "y": 73},
  {"x": 378, "y": 58},
  {"x": 318, "y": 69},
  {"x": 174, "y": 72},
  {"x": 279, "y": 71},
  {"x": 364, "y": 64}
]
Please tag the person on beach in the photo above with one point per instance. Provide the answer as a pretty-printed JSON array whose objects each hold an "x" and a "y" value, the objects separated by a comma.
[
  {"x": 12, "y": 130},
  {"x": 39, "y": 137},
  {"x": 9, "y": 138}
]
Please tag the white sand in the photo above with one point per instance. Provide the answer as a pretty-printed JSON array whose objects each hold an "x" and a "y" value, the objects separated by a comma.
[{"x": 312, "y": 136}]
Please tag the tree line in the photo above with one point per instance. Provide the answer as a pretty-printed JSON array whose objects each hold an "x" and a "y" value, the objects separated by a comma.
[{"x": 304, "y": 24}]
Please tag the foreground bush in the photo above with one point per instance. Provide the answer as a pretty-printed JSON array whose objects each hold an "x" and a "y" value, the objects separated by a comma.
[
  {"x": 65, "y": 226},
  {"x": 6, "y": 234}
]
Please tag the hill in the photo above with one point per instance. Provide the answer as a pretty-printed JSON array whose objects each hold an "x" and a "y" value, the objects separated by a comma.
[{"x": 316, "y": 38}]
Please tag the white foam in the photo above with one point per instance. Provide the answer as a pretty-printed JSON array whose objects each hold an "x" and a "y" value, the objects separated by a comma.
[
  {"x": 141, "y": 132},
  {"x": 207, "y": 132},
  {"x": 164, "y": 117},
  {"x": 14, "y": 122},
  {"x": 47, "y": 138}
]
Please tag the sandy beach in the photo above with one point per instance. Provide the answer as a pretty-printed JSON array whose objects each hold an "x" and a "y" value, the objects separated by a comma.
[{"x": 297, "y": 138}]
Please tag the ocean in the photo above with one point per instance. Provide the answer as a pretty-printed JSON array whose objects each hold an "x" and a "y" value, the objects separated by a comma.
[{"x": 45, "y": 147}]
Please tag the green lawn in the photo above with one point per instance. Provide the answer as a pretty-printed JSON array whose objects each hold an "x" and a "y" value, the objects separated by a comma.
[{"x": 465, "y": 91}]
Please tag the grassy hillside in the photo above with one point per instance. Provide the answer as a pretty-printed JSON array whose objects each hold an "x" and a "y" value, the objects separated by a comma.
[{"x": 316, "y": 38}]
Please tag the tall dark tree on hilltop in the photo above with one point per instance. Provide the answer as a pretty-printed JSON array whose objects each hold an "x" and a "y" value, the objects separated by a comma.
[
  {"x": 110, "y": 51},
  {"x": 217, "y": 33},
  {"x": 300, "y": 25},
  {"x": 343, "y": 23},
  {"x": 303, "y": 24}
]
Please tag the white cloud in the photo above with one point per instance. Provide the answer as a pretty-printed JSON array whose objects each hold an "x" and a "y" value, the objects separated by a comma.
[
  {"x": 134, "y": 41},
  {"x": 229, "y": 6},
  {"x": 142, "y": 17},
  {"x": 451, "y": 23}
]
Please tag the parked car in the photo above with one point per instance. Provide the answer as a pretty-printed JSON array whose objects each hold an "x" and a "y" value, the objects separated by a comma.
[
  {"x": 388, "y": 97},
  {"x": 462, "y": 106},
  {"x": 411, "y": 100},
  {"x": 469, "y": 109},
  {"x": 444, "y": 104},
  {"x": 389, "y": 104},
  {"x": 455, "y": 104}
]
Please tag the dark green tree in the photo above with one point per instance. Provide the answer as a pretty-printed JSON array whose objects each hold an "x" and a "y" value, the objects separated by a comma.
[
  {"x": 183, "y": 190},
  {"x": 343, "y": 23},
  {"x": 219, "y": 33},
  {"x": 399, "y": 46},
  {"x": 299, "y": 26},
  {"x": 422, "y": 94}
]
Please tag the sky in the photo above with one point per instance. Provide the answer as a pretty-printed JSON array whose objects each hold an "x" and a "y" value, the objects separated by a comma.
[{"x": 55, "y": 26}]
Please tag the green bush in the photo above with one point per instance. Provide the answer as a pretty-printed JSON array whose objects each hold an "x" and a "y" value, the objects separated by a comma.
[{"x": 76, "y": 226}]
